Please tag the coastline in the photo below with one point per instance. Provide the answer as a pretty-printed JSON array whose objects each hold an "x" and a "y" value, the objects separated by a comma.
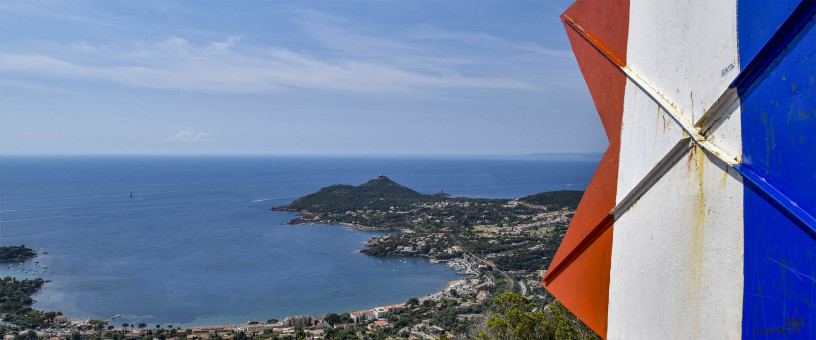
[{"x": 238, "y": 326}]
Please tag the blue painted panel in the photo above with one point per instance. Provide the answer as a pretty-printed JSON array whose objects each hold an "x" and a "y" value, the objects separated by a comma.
[
  {"x": 757, "y": 21},
  {"x": 780, "y": 275},
  {"x": 779, "y": 121},
  {"x": 778, "y": 113}
]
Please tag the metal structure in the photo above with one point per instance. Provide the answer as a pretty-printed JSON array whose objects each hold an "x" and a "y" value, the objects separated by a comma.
[{"x": 699, "y": 221}]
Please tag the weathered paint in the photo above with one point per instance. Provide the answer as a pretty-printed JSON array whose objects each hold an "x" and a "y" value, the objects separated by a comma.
[
  {"x": 681, "y": 48},
  {"x": 779, "y": 125},
  {"x": 648, "y": 134},
  {"x": 758, "y": 21},
  {"x": 710, "y": 109},
  {"x": 677, "y": 268},
  {"x": 579, "y": 272}
]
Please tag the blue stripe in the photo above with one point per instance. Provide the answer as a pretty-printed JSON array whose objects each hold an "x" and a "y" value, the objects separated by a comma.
[
  {"x": 777, "y": 90},
  {"x": 757, "y": 21},
  {"x": 778, "y": 200},
  {"x": 753, "y": 63}
]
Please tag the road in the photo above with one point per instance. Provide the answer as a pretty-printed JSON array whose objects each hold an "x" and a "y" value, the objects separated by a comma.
[{"x": 510, "y": 282}]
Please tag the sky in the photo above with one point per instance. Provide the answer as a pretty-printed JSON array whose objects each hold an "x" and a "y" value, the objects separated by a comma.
[{"x": 291, "y": 78}]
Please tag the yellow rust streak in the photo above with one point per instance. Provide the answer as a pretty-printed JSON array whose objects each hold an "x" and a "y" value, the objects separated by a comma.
[
  {"x": 695, "y": 279},
  {"x": 681, "y": 120}
]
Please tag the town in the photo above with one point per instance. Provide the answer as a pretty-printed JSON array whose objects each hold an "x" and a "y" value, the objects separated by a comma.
[{"x": 498, "y": 246}]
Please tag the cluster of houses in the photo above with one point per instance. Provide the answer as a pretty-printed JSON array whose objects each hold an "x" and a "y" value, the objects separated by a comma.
[
  {"x": 289, "y": 323},
  {"x": 376, "y": 313},
  {"x": 539, "y": 221}
]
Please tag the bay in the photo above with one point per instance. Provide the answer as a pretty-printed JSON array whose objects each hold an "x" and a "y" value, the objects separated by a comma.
[{"x": 198, "y": 245}]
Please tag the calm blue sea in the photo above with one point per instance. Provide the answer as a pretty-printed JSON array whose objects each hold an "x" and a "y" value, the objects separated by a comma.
[{"x": 197, "y": 243}]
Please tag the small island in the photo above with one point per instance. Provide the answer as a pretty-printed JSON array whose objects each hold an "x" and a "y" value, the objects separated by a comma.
[{"x": 16, "y": 253}]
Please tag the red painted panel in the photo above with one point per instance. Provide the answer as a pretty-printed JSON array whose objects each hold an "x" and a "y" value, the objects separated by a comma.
[
  {"x": 583, "y": 286},
  {"x": 607, "y": 20},
  {"x": 607, "y": 85},
  {"x": 578, "y": 275}
]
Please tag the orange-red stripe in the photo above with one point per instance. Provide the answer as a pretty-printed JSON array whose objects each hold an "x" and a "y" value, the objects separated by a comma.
[{"x": 578, "y": 275}]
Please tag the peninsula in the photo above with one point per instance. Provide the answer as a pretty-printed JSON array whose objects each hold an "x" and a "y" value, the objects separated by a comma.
[
  {"x": 16, "y": 253},
  {"x": 500, "y": 246},
  {"x": 515, "y": 234}
]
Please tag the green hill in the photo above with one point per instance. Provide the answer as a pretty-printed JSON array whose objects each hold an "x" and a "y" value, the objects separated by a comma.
[
  {"x": 380, "y": 193},
  {"x": 16, "y": 253},
  {"x": 555, "y": 200}
]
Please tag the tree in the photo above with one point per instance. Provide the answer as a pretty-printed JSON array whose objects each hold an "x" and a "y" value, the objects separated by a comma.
[
  {"x": 515, "y": 319},
  {"x": 142, "y": 326},
  {"x": 30, "y": 335},
  {"x": 346, "y": 318},
  {"x": 332, "y": 319},
  {"x": 300, "y": 333},
  {"x": 124, "y": 327},
  {"x": 413, "y": 301},
  {"x": 97, "y": 325}
]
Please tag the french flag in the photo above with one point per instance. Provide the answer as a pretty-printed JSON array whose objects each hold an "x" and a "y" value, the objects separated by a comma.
[{"x": 700, "y": 219}]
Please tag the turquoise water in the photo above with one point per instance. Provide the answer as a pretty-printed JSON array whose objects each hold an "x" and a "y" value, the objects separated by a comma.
[{"x": 197, "y": 243}]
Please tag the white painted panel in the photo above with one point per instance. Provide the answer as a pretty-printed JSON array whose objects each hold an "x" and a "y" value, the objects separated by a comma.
[
  {"x": 676, "y": 269},
  {"x": 647, "y": 134},
  {"x": 686, "y": 50},
  {"x": 726, "y": 128}
]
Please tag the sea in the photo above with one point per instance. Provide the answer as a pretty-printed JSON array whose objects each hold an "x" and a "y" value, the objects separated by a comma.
[{"x": 191, "y": 241}]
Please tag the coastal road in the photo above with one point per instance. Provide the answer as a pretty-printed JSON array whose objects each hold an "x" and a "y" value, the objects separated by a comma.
[{"x": 510, "y": 282}]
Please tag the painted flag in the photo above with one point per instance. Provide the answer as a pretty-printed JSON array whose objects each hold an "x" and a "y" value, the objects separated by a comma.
[{"x": 699, "y": 221}]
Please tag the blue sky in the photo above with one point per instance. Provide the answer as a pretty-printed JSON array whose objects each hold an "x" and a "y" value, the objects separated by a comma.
[{"x": 262, "y": 77}]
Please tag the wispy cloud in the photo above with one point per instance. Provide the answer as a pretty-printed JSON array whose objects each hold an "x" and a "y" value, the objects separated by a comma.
[
  {"x": 358, "y": 62},
  {"x": 188, "y": 136},
  {"x": 216, "y": 67}
]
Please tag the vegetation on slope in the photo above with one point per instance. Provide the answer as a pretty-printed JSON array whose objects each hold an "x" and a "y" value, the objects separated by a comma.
[
  {"x": 517, "y": 319},
  {"x": 563, "y": 199},
  {"x": 380, "y": 193},
  {"x": 15, "y": 303},
  {"x": 16, "y": 253}
]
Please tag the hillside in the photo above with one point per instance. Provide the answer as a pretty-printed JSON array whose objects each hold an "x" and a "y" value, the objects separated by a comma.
[
  {"x": 380, "y": 193},
  {"x": 16, "y": 253},
  {"x": 557, "y": 200}
]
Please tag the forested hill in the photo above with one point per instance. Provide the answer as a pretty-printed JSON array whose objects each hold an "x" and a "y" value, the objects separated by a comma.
[
  {"x": 16, "y": 253},
  {"x": 380, "y": 193},
  {"x": 555, "y": 199}
]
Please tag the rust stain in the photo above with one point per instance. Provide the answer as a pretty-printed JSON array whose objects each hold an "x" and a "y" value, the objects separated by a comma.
[
  {"x": 694, "y": 282},
  {"x": 705, "y": 132},
  {"x": 595, "y": 42},
  {"x": 724, "y": 179},
  {"x": 663, "y": 117}
]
